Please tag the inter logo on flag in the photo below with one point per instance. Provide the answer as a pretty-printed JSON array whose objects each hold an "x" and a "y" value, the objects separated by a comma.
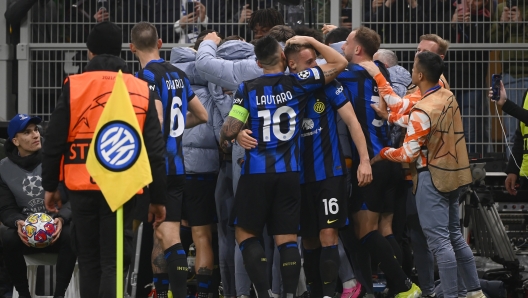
[{"x": 117, "y": 146}]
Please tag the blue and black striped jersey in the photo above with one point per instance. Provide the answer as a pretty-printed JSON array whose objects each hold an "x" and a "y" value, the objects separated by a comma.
[
  {"x": 321, "y": 155},
  {"x": 174, "y": 90},
  {"x": 275, "y": 104},
  {"x": 361, "y": 89}
]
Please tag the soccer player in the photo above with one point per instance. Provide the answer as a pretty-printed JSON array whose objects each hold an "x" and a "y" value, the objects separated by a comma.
[
  {"x": 372, "y": 205},
  {"x": 176, "y": 98},
  {"x": 323, "y": 174},
  {"x": 268, "y": 192}
]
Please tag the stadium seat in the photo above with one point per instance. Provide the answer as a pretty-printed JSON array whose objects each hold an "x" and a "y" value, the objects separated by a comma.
[{"x": 47, "y": 259}]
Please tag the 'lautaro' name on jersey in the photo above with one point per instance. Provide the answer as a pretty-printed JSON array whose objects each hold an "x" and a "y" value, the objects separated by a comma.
[
  {"x": 174, "y": 84},
  {"x": 274, "y": 98}
]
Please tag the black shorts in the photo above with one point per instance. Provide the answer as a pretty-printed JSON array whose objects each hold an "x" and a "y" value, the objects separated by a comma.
[
  {"x": 323, "y": 205},
  {"x": 380, "y": 195},
  {"x": 268, "y": 199},
  {"x": 199, "y": 207},
  {"x": 175, "y": 186}
]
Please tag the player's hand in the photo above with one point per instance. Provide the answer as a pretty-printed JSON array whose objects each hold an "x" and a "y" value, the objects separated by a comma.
[
  {"x": 245, "y": 14},
  {"x": 52, "y": 201},
  {"x": 300, "y": 40},
  {"x": 101, "y": 15},
  {"x": 58, "y": 223},
  {"x": 510, "y": 182},
  {"x": 375, "y": 159},
  {"x": 502, "y": 95},
  {"x": 214, "y": 37},
  {"x": 364, "y": 174},
  {"x": 20, "y": 225},
  {"x": 370, "y": 67},
  {"x": 156, "y": 214},
  {"x": 383, "y": 113},
  {"x": 327, "y": 28},
  {"x": 245, "y": 140}
]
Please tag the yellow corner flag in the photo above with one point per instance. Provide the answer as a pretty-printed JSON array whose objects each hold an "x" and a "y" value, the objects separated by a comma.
[{"x": 117, "y": 160}]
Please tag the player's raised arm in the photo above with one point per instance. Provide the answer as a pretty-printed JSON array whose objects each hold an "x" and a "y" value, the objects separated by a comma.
[{"x": 336, "y": 63}]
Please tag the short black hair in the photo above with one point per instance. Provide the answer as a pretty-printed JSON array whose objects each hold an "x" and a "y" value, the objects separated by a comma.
[
  {"x": 267, "y": 17},
  {"x": 337, "y": 35},
  {"x": 234, "y": 37},
  {"x": 144, "y": 36},
  {"x": 281, "y": 33},
  {"x": 266, "y": 49},
  {"x": 307, "y": 31},
  {"x": 431, "y": 65}
]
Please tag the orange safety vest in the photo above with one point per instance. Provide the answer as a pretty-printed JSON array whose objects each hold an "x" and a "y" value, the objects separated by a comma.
[{"x": 89, "y": 93}]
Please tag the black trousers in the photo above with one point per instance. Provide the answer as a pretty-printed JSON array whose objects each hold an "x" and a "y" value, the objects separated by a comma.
[
  {"x": 94, "y": 241},
  {"x": 14, "y": 250}
]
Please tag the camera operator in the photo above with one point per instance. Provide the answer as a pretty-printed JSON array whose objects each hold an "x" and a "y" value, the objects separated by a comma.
[{"x": 518, "y": 163}]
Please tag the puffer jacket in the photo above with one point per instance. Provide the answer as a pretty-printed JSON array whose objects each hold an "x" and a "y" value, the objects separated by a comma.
[
  {"x": 200, "y": 143},
  {"x": 400, "y": 79}
]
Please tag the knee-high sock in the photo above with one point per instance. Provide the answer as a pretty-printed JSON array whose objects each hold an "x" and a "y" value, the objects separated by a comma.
[
  {"x": 178, "y": 270},
  {"x": 312, "y": 272},
  {"x": 290, "y": 267},
  {"x": 256, "y": 265},
  {"x": 329, "y": 269}
]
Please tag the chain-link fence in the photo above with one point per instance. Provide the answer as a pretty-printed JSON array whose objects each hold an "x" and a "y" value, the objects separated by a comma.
[{"x": 485, "y": 38}]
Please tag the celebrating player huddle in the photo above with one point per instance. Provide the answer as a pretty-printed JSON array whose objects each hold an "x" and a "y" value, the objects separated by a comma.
[{"x": 306, "y": 132}]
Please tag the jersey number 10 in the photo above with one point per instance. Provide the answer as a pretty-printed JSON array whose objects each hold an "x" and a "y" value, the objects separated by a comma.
[{"x": 275, "y": 121}]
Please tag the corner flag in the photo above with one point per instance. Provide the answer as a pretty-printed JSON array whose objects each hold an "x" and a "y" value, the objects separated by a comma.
[{"x": 117, "y": 160}]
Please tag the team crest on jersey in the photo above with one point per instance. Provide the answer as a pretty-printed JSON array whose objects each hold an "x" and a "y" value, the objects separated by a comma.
[
  {"x": 304, "y": 74},
  {"x": 319, "y": 107},
  {"x": 117, "y": 146}
]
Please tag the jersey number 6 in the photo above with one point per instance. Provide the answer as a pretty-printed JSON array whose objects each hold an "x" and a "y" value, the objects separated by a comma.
[{"x": 177, "y": 123}]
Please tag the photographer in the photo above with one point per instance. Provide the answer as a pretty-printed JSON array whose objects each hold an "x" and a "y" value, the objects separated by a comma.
[{"x": 518, "y": 163}]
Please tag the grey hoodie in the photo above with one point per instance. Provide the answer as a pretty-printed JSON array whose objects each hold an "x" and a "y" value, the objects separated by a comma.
[
  {"x": 400, "y": 78},
  {"x": 200, "y": 143}
]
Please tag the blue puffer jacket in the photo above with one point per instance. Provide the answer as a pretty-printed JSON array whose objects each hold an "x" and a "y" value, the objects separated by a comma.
[{"x": 200, "y": 143}]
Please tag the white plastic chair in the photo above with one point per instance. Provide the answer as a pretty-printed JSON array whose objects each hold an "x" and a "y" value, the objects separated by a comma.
[{"x": 47, "y": 259}]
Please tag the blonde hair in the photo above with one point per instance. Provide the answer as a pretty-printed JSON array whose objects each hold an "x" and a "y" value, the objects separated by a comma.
[{"x": 443, "y": 44}]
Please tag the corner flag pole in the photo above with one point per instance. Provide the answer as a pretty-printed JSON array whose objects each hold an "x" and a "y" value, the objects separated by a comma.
[{"x": 119, "y": 246}]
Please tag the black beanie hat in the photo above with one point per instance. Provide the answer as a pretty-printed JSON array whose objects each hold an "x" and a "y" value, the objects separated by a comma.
[{"x": 105, "y": 38}]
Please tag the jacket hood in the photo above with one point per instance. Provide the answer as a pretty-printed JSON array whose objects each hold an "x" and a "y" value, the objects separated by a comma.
[
  {"x": 400, "y": 75},
  {"x": 107, "y": 62},
  {"x": 337, "y": 46},
  {"x": 184, "y": 58},
  {"x": 235, "y": 50},
  {"x": 28, "y": 163}
]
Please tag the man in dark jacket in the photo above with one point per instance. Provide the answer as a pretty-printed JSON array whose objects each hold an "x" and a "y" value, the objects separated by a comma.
[
  {"x": 70, "y": 132},
  {"x": 22, "y": 167}
]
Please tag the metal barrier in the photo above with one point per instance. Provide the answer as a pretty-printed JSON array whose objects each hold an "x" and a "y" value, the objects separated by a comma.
[{"x": 52, "y": 37}]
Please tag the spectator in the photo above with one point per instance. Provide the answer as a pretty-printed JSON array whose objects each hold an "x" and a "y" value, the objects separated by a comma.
[
  {"x": 24, "y": 162},
  {"x": 399, "y": 76},
  {"x": 187, "y": 26},
  {"x": 509, "y": 28},
  {"x": 470, "y": 23},
  {"x": 399, "y": 21},
  {"x": 323, "y": 17}
]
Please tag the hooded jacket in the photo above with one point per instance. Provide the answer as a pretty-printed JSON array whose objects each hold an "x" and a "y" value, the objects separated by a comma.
[
  {"x": 400, "y": 79},
  {"x": 200, "y": 143},
  {"x": 21, "y": 191}
]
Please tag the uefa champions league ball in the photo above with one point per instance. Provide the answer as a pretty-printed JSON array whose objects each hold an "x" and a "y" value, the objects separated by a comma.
[{"x": 39, "y": 227}]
